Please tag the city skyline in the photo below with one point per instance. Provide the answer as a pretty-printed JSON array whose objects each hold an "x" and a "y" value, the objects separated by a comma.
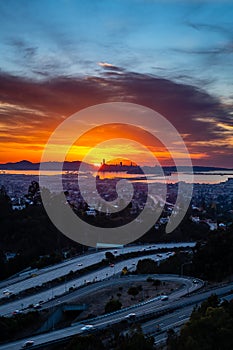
[{"x": 60, "y": 57}]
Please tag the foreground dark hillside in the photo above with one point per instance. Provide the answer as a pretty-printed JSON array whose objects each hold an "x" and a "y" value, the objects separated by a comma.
[
  {"x": 210, "y": 328},
  {"x": 31, "y": 235}
]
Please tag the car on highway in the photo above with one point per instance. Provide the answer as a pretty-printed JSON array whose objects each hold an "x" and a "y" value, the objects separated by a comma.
[
  {"x": 7, "y": 292},
  {"x": 130, "y": 316},
  {"x": 28, "y": 344},
  {"x": 80, "y": 264},
  {"x": 164, "y": 297},
  {"x": 88, "y": 328},
  {"x": 195, "y": 281},
  {"x": 16, "y": 312}
]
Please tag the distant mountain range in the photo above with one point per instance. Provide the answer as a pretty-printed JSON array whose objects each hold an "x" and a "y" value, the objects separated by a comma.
[
  {"x": 74, "y": 166},
  {"x": 26, "y": 165}
]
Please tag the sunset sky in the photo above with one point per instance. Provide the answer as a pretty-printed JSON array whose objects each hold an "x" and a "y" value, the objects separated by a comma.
[{"x": 60, "y": 56}]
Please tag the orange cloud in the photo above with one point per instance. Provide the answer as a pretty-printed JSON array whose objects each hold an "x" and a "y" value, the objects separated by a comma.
[
  {"x": 31, "y": 110},
  {"x": 116, "y": 148}
]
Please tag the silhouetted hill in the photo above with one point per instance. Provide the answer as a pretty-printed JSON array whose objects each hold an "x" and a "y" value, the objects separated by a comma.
[
  {"x": 26, "y": 165},
  {"x": 74, "y": 166}
]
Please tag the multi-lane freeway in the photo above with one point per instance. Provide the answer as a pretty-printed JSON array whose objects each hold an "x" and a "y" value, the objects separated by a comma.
[
  {"x": 179, "y": 304},
  {"x": 141, "y": 309},
  {"x": 29, "y": 280},
  {"x": 46, "y": 295},
  {"x": 58, "y": 270},
  {"x": 101, "y": 277},
  {"x": 176, "y": 319}
]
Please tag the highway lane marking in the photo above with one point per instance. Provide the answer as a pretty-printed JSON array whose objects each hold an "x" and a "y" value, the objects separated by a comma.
[
  {"x": 65, "y": 265},
  {"x": 163, "y": 340},
  {"x": 178, "y": 323},
  {"x": 54, "y": 290},
  {"x": 165, "y": 319},
  {"x": 102, "y": 273}
]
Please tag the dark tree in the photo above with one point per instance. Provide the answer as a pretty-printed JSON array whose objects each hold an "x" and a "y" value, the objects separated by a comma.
[
  {"x": 133, "y": 291},
  {"x": 112, "y": 305},
  {"x": 156, "y": 283},
  {"x": 146, "y": 266},
  {"x": 109, "y": 256},
  {"x": 210, "y": 327},
  {"x": 5, "y": 203}
]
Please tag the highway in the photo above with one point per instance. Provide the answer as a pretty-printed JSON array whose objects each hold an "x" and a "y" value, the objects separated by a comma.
[
  {"x": 174, "y": 320},
  {"x": 183, "y": 307},
  {"x": 118, "y": 280},
  {"x": 171, "y": 320},
  {"x": 7, "y": 309},
  {"x": 18, "y": 284},
  {"x": 141, "y": 309}
]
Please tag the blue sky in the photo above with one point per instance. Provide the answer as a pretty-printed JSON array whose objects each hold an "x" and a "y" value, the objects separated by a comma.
[
  {"x": 182, "y": 40},
  {"x": 173, "y": 56}
]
